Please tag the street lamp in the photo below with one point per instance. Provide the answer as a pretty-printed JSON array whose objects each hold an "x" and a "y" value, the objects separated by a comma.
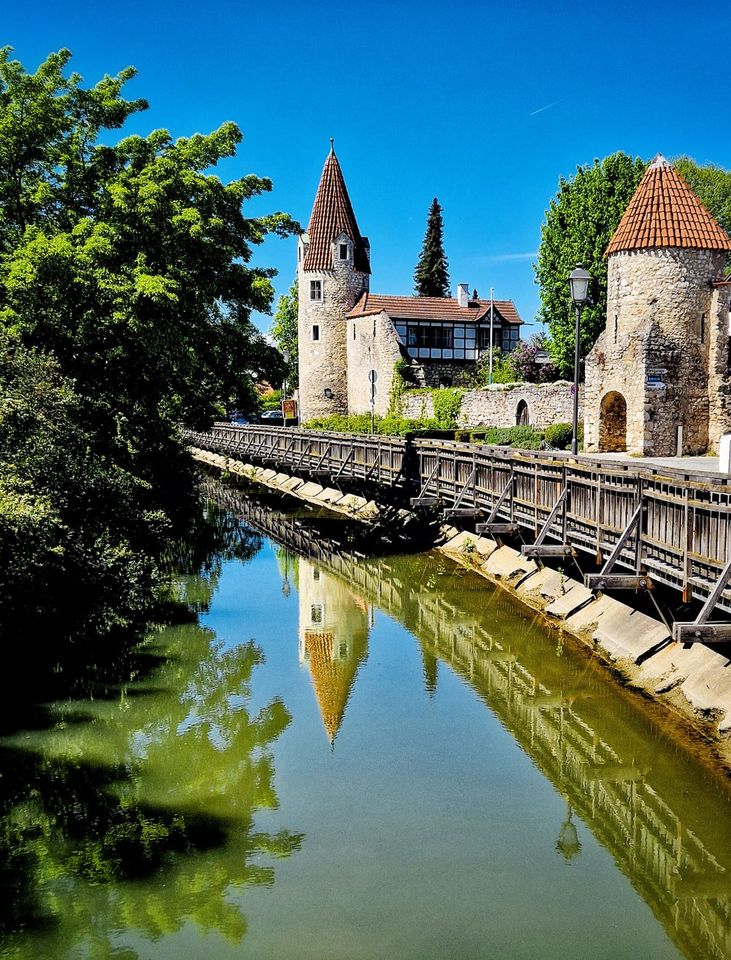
[{"x": 579, "y": 280}]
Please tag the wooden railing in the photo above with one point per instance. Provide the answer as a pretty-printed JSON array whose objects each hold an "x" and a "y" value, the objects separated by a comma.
[{"x": 675, "y": 525}]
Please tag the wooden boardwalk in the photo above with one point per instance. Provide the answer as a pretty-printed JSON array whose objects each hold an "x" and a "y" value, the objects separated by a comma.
[{"x": 642, "y": 524}]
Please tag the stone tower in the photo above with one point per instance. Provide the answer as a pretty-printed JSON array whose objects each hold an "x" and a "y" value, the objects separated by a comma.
[
  {"x": 333, "y": 270},
  {"x": 657, "y": 379}
]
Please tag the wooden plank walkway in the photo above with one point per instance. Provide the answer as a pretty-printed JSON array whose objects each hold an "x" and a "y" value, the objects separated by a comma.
[{"x": 681, "y": 536}]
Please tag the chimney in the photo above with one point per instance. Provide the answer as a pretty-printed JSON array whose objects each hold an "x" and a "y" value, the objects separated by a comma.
[{"x": 463, "y": 296}]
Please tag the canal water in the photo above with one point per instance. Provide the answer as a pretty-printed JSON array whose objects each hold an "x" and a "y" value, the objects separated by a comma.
[{"x": 357, "y": 757}]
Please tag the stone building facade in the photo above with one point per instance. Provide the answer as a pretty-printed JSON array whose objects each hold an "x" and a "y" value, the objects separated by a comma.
[
  {"x": 657, "y": 379},
  {"x": 345, "y": 333}
]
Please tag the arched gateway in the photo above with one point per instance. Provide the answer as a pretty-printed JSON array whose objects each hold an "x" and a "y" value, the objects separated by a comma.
[
  {"x": 522, "y": 414},
  {"x": 613, "y": 423}
]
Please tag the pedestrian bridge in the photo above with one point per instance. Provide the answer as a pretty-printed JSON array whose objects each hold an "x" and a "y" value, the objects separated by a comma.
[{"x": 643, "y": 524}]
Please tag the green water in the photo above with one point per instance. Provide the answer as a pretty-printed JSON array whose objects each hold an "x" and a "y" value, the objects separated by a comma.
[{"x": 354, "y": 758}]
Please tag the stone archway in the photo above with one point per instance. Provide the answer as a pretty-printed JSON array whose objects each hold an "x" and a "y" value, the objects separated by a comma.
[
  {"x": 522, "y": 414},
  {"x": 613, "y": 423}
]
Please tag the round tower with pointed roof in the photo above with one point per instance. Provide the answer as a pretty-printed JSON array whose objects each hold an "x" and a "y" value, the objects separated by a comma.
[
  {"x": 650, "y": 385},
  {"x": 333, "y": 270}
]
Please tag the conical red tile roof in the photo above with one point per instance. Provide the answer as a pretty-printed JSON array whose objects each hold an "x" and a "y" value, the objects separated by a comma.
[
  {"x": 664, "y": 212},
  {"x": 332, "y": 215}
]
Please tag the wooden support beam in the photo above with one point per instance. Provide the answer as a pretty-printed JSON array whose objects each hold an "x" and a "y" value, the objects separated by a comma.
[
  {"x": 551, "y": 517},
  {"x": 462, "y": 512},
  {"x": 702, "y": 632},
  {"x": 497, "y": 529},
  {"x": 425, "y": 501},
  {"x": 616, "y": 581},
  {"x": 508, "y": 490},
  {"x": 536, "y": 551},
  {"x": 620, "y": 544}
]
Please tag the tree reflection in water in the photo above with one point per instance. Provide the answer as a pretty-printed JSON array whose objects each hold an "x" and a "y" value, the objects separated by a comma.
[{"x": 155, "y": 776}]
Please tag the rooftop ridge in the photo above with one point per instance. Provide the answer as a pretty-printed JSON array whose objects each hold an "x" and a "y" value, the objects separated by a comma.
[{"x": 665, "y": 212}]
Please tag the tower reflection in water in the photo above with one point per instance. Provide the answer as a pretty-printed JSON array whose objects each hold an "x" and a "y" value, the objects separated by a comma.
[{"x": 333, "y": 639}]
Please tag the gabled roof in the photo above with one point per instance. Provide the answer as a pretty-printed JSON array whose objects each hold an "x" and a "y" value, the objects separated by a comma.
[
  {"x": 332, "y": 215},
  {"x": 433, "y": 308},
  {"x": 665, "y": 212}
]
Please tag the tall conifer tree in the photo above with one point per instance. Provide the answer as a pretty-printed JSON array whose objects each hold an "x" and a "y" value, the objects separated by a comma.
[{"x": 431, "y": 277}]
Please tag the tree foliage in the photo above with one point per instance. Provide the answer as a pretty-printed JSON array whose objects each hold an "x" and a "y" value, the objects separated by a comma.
[
  {"x": 125, "y": 281},
  {"x": 431, "y": 277},
  {"x": 284, "y": 331},
  {"x": 579, "y": 224}
]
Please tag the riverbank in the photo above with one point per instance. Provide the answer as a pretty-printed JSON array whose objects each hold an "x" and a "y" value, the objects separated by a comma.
[{"x": 690, "y": 685}]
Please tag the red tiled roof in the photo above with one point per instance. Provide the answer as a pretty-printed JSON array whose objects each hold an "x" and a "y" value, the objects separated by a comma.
[
  {"x": 432, "y": 308},
  {"x": 664, "y": 212},
  {"x": 332, "y": 215}
]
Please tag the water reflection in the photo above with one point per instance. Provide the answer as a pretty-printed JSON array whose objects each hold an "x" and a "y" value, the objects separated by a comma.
[
  {"x": 664, "y": 819},
  {"x": 133, "y": 814},
  {"x": 333, "y": 639}
]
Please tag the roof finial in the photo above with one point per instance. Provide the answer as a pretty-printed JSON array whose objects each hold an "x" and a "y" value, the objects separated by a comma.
[
  {"x": 659, "y": 161},
  {"x": 332, "y": 146}
]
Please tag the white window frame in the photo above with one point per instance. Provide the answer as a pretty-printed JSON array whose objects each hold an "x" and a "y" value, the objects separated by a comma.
[{"x": 312, "y": 290}]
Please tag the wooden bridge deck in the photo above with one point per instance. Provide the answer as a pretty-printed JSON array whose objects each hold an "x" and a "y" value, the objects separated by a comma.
[{"x": 676, "y": 525}]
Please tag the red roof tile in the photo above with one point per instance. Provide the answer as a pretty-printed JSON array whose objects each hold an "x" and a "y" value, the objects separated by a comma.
[
  {"x": 432, "y": 308},
  {"x": 332, "y": 215},
  {"x": 664, "y": 212}
]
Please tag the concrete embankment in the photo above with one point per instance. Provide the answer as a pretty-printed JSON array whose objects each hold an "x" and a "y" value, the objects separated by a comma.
[{"x": 693, "y": 683}]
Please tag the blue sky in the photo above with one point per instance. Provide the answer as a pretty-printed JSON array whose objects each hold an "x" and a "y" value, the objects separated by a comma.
[{"x": 484, "y": 105}]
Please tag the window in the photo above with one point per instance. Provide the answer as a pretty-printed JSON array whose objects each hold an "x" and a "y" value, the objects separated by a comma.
[
  {"x": 616, "y": 327},
  {"x": 703, "y": 328},
  {"x": 423, "y": 336},
  {"x": 315, "y": 574},
  {"x": 343, "y": 253},
  {"x": 483, "y": 337},
  {"x": 316, "y": 613},
  {"x": 353, "y": 331},
  {"x": 315, "y": 331},
  {"x": 315, "y": 289}
]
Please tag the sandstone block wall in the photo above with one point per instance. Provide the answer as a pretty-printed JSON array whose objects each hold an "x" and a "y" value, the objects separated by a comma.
[
  {"x": 372, "y": 344},
  {"x": 323, "y": 362},
  {"x": 499, "y": 405}
]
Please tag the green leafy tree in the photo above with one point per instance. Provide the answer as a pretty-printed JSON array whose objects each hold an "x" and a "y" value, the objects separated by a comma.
[
  {"x": 129, "y": 266},
  {"x": 431, "y": 277},
  {"x": 579, "y": 223},
  {"x": 284, "y": 331}
]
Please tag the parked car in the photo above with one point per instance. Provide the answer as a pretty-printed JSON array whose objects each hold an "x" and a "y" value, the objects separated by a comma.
[
  {"x": 272, "y": 418},
  {"x": 236, "y": 416}
]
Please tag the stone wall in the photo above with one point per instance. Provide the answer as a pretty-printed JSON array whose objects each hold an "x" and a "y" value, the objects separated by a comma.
[
  {"x": 498, "y": 405},
  {"x": 660, "y": 342},
  {"x": 323, "y": 362},
  {"x": 372, "y": 344},
  {"x": 719, "y": 382}
]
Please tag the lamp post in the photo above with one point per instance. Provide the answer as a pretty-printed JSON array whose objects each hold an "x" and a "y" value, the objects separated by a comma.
[{"x": 579, "y": 280}]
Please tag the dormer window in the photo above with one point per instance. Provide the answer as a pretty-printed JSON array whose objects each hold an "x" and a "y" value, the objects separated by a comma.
[
  {"x": 315, "y": 289},
  {"x": 343, "y": 251}
]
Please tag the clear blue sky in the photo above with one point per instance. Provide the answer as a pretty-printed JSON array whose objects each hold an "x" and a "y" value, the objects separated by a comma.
[{"x": 484, "y": 105}]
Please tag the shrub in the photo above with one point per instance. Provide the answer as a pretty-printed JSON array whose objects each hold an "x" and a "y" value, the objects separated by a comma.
[{"x": 559, "y": 435}]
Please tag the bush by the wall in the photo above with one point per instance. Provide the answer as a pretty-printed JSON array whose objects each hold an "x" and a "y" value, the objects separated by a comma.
[{"x": 559, "y": 435}]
